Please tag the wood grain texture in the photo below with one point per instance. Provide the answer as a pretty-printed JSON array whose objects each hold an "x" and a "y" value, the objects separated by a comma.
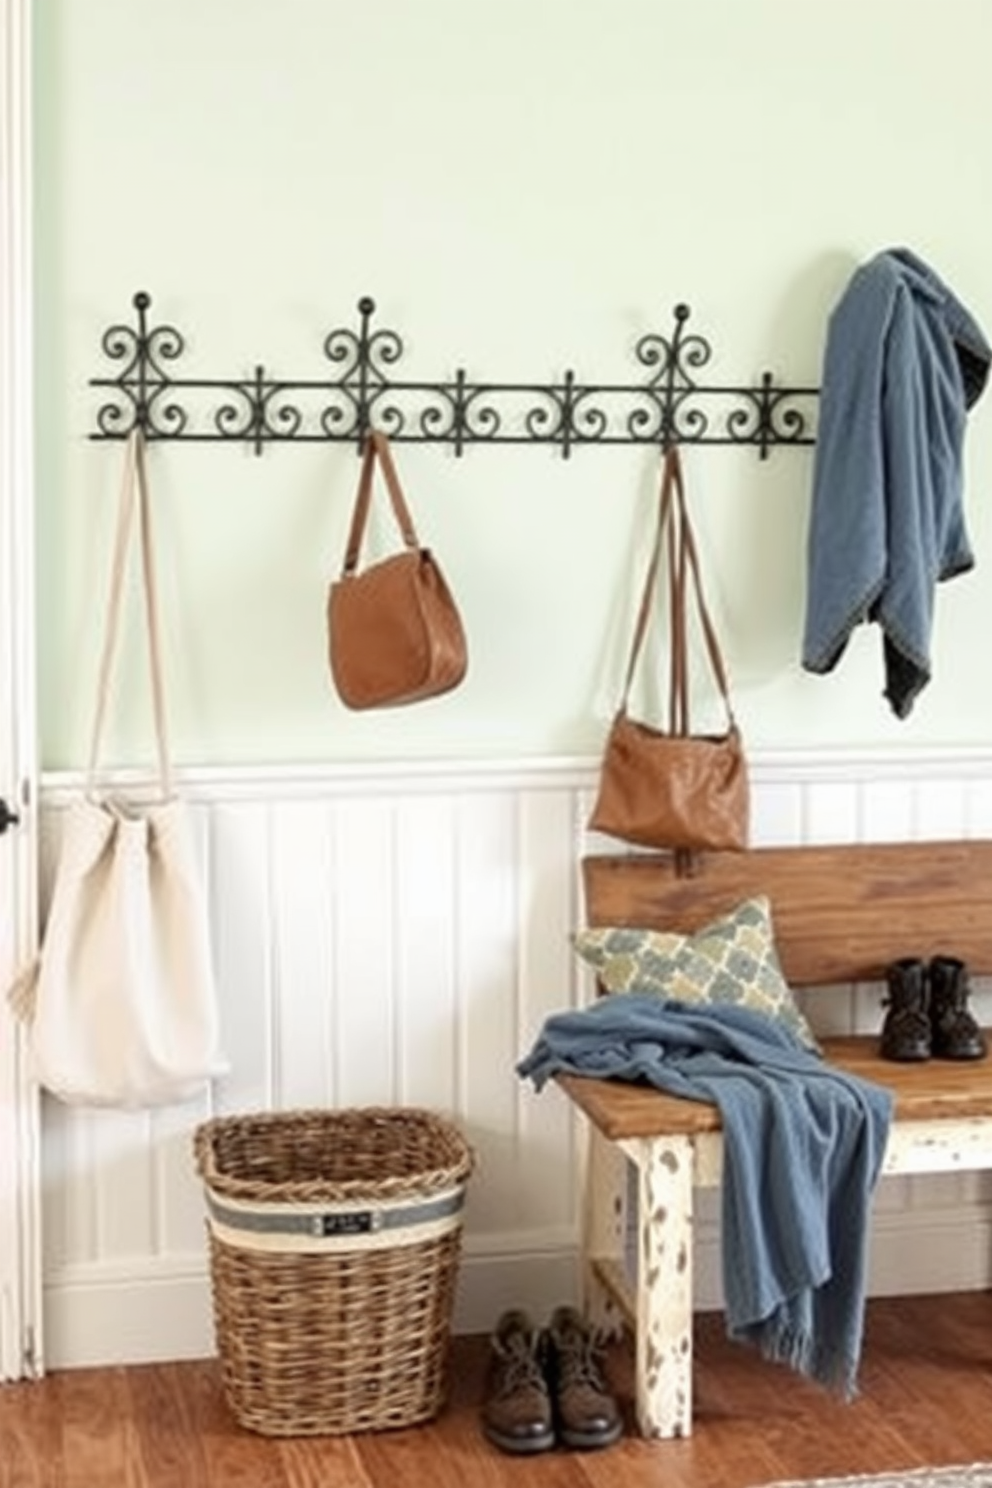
[
  {"x": 931, "y": 1090},
  {"x": 100, "y": 1436},
  {"x": 29, "y": 1417},
  {"x": 841, "y": 914},
  {"x": 926, "y": 1400}
]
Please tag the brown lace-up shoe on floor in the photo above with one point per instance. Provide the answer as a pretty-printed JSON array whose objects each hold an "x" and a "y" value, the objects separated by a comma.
[
  {"x": 516, "y": 1413},
  {"x": 586, "y": 1413}
]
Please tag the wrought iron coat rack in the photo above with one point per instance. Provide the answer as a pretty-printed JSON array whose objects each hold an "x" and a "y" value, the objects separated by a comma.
[{"x": 669, "y": 405}]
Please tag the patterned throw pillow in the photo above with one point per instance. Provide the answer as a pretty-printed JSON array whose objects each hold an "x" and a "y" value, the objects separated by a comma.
[{"x": 733, "y": 959}]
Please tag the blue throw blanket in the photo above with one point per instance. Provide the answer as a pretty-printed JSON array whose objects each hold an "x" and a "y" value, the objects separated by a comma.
[{"x": 803, "y": 1147}]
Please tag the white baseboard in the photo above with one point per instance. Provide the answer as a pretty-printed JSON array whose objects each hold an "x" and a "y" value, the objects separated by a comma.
[
  {"x": 153, "y": 1311},
  {"x": 948, "y": 1250},
  {"x": 536, "y": 1280},
  {"x": 157, "y": 1310},
  {"x": 143, "y": 1313}
]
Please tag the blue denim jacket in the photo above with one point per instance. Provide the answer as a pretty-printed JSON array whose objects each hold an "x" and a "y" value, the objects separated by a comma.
[{"x": 904, "y": 362}]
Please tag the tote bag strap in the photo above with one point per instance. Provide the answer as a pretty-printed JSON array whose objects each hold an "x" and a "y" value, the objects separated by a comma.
[
  {"x": 674, "y": 531},
  {"x": 376, "y": 448},
  {"x": 134, "y": 495}
]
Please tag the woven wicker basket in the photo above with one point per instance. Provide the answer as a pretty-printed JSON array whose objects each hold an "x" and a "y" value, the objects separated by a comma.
[{"x": 334, "y": 1245}]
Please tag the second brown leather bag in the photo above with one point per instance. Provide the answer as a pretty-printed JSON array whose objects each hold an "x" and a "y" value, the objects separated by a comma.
[
  {"x": 395, "y": 634},
  {"x": 674, "y": 790}
]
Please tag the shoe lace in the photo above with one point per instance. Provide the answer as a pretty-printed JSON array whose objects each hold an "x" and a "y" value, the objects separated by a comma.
[
  {"x": 580, "y": 1361},
  {"x": 906, "y": 1017},
  {"x": 955, "y": 1013},
  {"x": 517, "y": 1366}
]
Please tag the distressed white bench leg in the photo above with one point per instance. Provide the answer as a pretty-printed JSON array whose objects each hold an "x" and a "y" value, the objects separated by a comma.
[
  {"x": 604, "y": 1235},
  {"x": 664, "y": 1285}
]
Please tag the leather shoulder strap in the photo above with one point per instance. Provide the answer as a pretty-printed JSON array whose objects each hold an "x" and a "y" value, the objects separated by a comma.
[
  {"x": 650, "y": 580},
  {"x": 689, "y": 556},
  {"x": 674, "y": 530},
  {"x": 376, "y": 448}
]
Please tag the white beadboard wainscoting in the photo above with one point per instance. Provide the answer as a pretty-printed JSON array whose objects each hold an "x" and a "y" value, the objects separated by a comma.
[{"x": 397, "y": 934}]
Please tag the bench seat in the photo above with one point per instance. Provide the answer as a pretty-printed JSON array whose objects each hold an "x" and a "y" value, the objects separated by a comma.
[{"x": 931, "y": 1090}]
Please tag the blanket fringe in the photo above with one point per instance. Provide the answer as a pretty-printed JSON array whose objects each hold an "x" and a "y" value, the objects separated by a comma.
[{"x": 796, "y": 1348}]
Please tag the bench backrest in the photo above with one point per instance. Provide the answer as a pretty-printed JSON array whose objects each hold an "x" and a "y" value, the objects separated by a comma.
[{"x": 840, "y": 914}]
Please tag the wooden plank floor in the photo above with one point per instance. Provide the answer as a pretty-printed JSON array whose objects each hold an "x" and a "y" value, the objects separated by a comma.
[{"x": 926, "y": 1401}]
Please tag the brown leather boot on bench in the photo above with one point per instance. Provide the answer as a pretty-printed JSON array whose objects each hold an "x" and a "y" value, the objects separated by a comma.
[
  {"x": 954, "y": 1031},
  {"x": 906, "y": 1032}
]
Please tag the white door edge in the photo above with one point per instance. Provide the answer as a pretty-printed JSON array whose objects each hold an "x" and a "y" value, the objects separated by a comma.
[{"x": 21, "y": 1352}]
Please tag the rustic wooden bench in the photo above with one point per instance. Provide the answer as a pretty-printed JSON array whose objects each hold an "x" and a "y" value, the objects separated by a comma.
[{"x": 841, "y": 915}]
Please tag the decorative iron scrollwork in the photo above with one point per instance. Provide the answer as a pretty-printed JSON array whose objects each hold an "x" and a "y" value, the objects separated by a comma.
[{"x": 670, "y": 405}]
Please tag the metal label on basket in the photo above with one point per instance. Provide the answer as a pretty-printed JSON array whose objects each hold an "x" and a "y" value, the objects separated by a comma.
[{"x": 359, "y": 1222}]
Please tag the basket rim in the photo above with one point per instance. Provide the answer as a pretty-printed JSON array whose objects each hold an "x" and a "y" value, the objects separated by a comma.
[{"x": 428, "y": 1180}]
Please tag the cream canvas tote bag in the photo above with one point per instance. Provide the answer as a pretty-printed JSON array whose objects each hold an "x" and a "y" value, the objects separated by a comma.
[{"x": 121, "y": 1003}]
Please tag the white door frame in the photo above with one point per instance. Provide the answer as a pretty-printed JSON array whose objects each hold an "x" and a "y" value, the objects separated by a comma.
[{"x": 21, "y": 1354}]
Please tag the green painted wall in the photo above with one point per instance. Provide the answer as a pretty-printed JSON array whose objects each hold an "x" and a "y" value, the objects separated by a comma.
[{"x": 522, "y": 186}]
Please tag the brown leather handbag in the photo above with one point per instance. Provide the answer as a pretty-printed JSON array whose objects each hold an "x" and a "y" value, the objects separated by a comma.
[
  {"x": 674, "y": 790},
  {"x": 394, "y": 632}
]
